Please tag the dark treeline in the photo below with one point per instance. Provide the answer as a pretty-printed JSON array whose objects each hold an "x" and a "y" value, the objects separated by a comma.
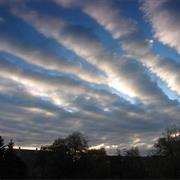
[
  {"x": 11, "y": 166},
  {"x": 70, "y": 157}
]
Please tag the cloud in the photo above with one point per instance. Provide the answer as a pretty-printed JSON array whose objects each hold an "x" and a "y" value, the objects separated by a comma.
[
  {"x": 43, "y": 57},
  {"x": 27, "y": 115},
  {"x": 60, "y": 85},
  {"x": 111, "y": 21},
  {"x": 134, "y": 42},
  {"x": 20, "y": 109},
  {"x": 76, "y": 38},
  {"x": 44, "y": 94},
  {"x": 23, "y": 115},
  {"x": 166, "y": 69},
  {"x": 163, "y": 16}
]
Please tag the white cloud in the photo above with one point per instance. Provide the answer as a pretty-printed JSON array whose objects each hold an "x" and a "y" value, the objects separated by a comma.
[
  {"x": 41, "y": 57},
  {"x": 85, "y": 44},
  {"x": 132, "y": 40},
  {"x": 164, "y": 18},
  {"x": 106, "y": 14},
  {"x": 166, "y": 69}
]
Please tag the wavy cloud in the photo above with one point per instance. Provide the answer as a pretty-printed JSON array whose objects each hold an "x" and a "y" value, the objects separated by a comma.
[
  {"x": 133, "y": 41},
  {"x": 163, "y": 16},
  {"x": 87, "y": 66}
]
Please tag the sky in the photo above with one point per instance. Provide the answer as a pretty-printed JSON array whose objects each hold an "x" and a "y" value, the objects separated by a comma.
[{"x": 108, "y": 69}]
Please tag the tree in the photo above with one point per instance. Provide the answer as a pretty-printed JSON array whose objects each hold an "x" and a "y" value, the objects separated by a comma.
[
  {"x": 74, "y": 145},
  {"x": 118, "y": 152},
  {"x": 1, "y": 142},
  {"x": 10, "y": 145},
  {"x": 132, "y": 152},
  {"x": 59, "y": 145},
  {"x": 11, "y": 165},
  {"x": 168, "y": 147},
  {"x": 63, "y": 157},
  {"x": 169, "y": 144},
  {"x": 2, "y": 149}
]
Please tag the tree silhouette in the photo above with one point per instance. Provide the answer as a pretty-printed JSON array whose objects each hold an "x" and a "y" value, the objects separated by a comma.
[
  {"x": 132, "y": 152},
  {"x": 11, "y": 165},
  {"x": 77, "y": 144},
  {"x": 70, "y": 157},
  {"x": 74, "y": 145},
  {"x": 118, "y": 152},
  {"x": 168, "y": 146},
  {"x": 61, "y": 158},
  {"x": 1, "y": 142},
  {"x": 2, "y": 149}
]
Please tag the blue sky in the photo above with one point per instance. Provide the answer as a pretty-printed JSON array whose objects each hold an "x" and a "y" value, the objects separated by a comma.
[{"x": 109, "y": 69}]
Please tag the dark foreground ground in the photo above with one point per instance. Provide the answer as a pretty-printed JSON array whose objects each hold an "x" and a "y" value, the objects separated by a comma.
[{"x": 35, "y": 164}]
